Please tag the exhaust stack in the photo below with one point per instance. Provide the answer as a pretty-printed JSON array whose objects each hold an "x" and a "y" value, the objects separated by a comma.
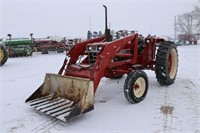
[{"x": 107, "y": 31}]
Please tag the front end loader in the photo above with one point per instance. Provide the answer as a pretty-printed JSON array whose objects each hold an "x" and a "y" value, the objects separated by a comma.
[{"x": 70, "y": 93}]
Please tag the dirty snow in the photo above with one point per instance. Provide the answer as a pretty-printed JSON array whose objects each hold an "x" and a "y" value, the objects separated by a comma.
[{"x": 172, "y": 109}]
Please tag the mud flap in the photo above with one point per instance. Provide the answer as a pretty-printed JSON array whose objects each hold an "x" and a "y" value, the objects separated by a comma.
[{"x": 63, "y": 97}]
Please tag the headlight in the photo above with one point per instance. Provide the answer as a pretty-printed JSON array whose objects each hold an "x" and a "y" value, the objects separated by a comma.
[
  {"x": 99, "y": 48},
  {"x": 148, "y": 41},
  {"x": 89, "y": 48}
]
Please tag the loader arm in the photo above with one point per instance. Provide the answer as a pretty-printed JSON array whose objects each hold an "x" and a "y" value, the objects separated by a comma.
[
  {"x": 76, "y": 51},
  {"x": 104, "y": 60}
]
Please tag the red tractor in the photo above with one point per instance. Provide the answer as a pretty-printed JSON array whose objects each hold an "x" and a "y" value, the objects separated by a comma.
[{"x": 70, "y": 93}]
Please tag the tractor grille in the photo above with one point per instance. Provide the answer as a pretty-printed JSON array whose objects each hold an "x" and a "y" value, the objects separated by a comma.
[
  {"x": 93, "y": 52},
  {"x": 92, "y": 57}
]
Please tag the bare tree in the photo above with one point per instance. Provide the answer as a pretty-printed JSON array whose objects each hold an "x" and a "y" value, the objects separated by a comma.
[{"x": 184, "y": 23}]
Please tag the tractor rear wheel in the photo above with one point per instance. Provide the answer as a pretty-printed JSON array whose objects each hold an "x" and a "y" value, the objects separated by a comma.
[
  {"x": 3, "y": 55},
  {"x": 166, "y": 63},
  {"x": 136, "y": 86}
]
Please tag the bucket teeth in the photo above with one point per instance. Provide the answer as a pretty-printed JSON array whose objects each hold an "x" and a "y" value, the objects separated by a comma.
[
  {"x": 57, "y": 107},
  {"x": 40, "y": 99}
]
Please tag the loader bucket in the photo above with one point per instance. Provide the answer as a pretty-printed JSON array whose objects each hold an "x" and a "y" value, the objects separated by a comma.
[{"x": 63, "y": 97}]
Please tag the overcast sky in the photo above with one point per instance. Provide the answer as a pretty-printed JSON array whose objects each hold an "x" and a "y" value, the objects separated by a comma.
[{"x": 74, "y": 18}]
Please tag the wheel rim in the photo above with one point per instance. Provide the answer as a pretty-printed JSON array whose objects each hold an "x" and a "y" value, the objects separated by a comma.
[
  {"x": 172, "y": 63},
  {"x": 139, "y": 87},
  {"x": 1, "y": 54}
]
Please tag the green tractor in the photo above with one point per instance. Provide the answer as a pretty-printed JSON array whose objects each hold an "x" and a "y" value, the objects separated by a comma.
[
  {"x": 3, "y": 55},
  {"x": 18, "y": 46}
]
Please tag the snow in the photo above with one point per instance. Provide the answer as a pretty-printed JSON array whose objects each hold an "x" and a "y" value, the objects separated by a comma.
[{"x": 20, "y": 77}]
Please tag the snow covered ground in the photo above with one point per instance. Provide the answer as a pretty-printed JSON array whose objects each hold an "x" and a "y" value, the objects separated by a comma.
[{"x": 172, "y": 109}]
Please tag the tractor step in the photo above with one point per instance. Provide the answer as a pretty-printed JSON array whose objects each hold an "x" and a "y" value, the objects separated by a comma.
[{"x": 59, "y": 108}]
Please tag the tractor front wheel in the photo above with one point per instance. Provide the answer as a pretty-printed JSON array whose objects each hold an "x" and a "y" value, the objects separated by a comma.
[
  {"x": 3, "y": 55},
  {"x": 166, "y": 63},
  {"x": 136, "y": 86}
]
